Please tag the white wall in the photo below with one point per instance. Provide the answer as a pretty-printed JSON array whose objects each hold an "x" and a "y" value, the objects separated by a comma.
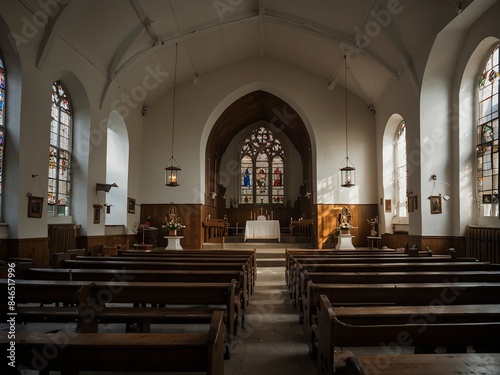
[{"x": 198, "y": 107}]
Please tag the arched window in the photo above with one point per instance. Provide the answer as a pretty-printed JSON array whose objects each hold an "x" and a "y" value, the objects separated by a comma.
[
  {"x": 487, "y": 136},
  {"x": 59, "y": 189},
  {"x": 262, "y": 168},
  {"x": 401, "y": 171},
  {"x": 2, "y": 131}
]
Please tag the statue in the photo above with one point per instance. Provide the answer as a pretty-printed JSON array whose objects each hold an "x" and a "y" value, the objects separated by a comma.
[{"x": 344, "y": 217}]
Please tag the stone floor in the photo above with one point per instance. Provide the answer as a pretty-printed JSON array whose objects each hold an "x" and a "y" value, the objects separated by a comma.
[{"x": 273, "y": 342}]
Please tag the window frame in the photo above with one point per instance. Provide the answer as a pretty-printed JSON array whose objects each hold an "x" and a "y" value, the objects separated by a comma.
[
  {"x": 401, "y": 162},
  {"x": 252, "y": 150},
  {"x": 62, "y": 152},
  {"x": 487, "y": 195}
]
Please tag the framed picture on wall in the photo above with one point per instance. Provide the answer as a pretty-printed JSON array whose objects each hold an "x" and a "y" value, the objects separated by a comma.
[
  {"x": 97, "y": 213},
  {"x": 35, "y": 206},
  {"x": 131, "y": 205},
  {"x": 411, "y": 203},
  {"x": 388, "y": 205},
  {"x": 435, "y": 204}
]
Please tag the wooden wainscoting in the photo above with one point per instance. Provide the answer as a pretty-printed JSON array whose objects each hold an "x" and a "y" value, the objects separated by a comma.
[
  {"x": 327, "y": 222},
  {"x": 191, "y": 215},
  {"x": 438, "y": 244},
  {"x": 32, "y": 248}
]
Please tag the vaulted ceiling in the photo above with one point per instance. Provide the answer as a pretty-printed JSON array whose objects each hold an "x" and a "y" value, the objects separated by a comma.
[{"x": 125, "y": 39}]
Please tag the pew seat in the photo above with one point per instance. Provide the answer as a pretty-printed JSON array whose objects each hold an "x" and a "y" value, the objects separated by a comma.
[
  {"x": 414, "y": 326},
  {"x": 423, "y": 364},
  {"x": 120, "y": 352}
]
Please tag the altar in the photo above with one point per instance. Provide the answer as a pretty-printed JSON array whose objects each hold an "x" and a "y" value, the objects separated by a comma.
[
  {"x": 174, "y": 242},
  {"x": 262, "y": 229}
]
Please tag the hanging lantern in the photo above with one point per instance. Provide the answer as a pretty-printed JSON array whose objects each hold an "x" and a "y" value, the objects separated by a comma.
[
  {"x": 347, "y": 174},
  {"x": 172, "y": 173},
  {"x": 347, "y": 171}
]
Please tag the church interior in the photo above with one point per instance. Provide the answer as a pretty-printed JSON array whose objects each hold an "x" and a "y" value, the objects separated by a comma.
[{"x": 286, "y": 145}]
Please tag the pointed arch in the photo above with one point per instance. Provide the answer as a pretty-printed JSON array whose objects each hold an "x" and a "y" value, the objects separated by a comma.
[{"x": 60, "y": 152}]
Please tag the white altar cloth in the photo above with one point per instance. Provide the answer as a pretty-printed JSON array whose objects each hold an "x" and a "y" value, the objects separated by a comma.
[{"x": 262, "y": 229}]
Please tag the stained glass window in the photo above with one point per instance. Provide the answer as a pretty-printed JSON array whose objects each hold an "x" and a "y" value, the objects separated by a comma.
[
  {"x": 487, "y": 135},
  {"x": 401, "y": 172},
  {"x": 59, "y": 190},
  {"x": 2, "y": 129},
  {"x": 262, "y": 162}
]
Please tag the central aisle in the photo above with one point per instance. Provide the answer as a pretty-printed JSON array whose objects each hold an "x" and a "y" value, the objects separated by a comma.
[{"x": 272, "y": 342}]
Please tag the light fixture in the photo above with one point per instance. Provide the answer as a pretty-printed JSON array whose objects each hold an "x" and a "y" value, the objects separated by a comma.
[
  {"x": 104, "y": 187},
  {"x": 172, "y": 172},
  {"x": 347, "y": 172}
]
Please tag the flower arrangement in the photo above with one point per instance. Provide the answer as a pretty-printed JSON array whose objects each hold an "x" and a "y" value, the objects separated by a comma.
[
  {"x": 172, "y": 223},
  {"x": 345, "y": 226}
]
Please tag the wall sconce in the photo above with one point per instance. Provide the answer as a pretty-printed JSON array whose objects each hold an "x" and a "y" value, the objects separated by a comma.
[
  {"x": 104, "y": 187},
  {"x": 213, "y": 194}
]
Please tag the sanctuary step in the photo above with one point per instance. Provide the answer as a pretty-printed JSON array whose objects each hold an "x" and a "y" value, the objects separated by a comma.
[{"x": 269, "y": 254}]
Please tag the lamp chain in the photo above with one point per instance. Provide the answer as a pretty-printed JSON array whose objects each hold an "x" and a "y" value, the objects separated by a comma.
[
  {"x": 173, "y": 109},
  {"x": 345, "y": 89}
]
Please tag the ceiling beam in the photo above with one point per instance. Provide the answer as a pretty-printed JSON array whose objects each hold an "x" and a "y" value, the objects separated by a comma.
[
  {"x": 262, "y": 36},
  {"x": 340, "y": 38},
  {"x": 51, "y": 33}
]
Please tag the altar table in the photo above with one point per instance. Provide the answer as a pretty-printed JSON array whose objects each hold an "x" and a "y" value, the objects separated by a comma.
[
  {"x": 174, "y": 242},
  {"x": 262, "y": 229}
]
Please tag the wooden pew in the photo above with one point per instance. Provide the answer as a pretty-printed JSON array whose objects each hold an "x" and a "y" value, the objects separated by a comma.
[
  {"x": 423, "y": 364},
  {"x": 392, "y": 327},
  {"x": 251, "y": 254},
  {"x": 109, "y": 263},
  {"x": 389, "y": 277},
  {"x": 246, "y": 261},
  {"x": 393, "y": 267},
  {"x": 291, "y": 253},
  {"x": 298, "y": 264},
  {"x": 294, "y": 262},
  {"x": 173, "y": 294},
  {"x": 121, "y": 352},
  {"x": 393, "y": 294},
  {"x": 144, "y": 276}
]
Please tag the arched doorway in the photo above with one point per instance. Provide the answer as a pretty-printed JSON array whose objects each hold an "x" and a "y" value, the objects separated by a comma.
[{"x": 253, "y": 110}]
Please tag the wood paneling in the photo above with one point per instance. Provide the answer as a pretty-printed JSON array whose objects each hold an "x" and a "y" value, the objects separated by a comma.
[
  {"x": 438, "y": 244},
  {"x": 327, "y": 222},
  {"x": 191, "y": 215},
  {"x": 33, "y": 248}
]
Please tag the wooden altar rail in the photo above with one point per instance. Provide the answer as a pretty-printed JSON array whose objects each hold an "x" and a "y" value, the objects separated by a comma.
[
  {"x": 483, "y": 243},
  {"x": 301, "y": 228},
  {"x": 215, "y": 230}
]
